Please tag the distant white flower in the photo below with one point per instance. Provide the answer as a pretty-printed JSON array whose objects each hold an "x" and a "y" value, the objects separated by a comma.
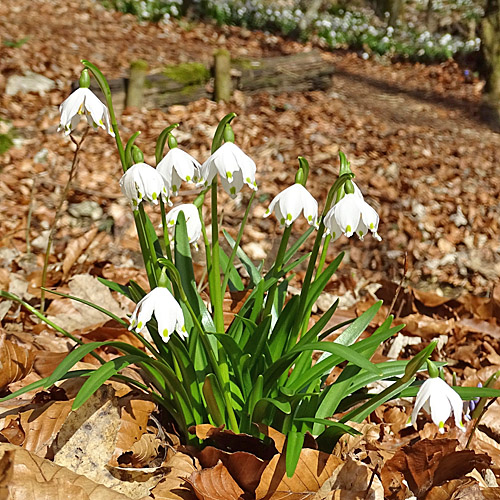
[
  {"x": 177, "y": 166},
  {"x": 193, "y": 222},
  {"x": 352, "y": 215},
  {"x": 234, "y": 166},
  {"x": 142, "y": 182},
  {"x": 441, "y": 401},
  {"x": 84, "y": 102},
  {"x": 290, "y": 202},
  {"x": 167, "y": 311}
]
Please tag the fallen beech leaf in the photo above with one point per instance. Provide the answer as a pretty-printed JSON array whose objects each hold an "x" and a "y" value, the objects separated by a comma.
[
  {"x": 351, "y": 481},
  {"x": 313, "y": 469},
  {"x": 173, "y": 483},
  {"x": 28, "y": 477},
  {"x": 245, "y": 468},
  {"x": 75, "y": 248},
  {"x": 428, "y": 463},
  {"x": 429, "y": 299},
  {"x": 135, "y": 413},
  {"x": 16, "y": 361},
  {"x": 215, "y": 484},
  {"x": 457, "y": 488},
  {"x": 427, "y": 327}
]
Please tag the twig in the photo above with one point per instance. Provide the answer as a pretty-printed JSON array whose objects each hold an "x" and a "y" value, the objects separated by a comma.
[
  {"x": 58, "y": 215},
  {"x": 398, "y": 290},
  {"x": 28, "y": 219}
]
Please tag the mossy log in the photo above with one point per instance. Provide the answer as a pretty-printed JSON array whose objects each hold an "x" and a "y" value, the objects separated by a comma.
[{"x": 188, "y": 82}]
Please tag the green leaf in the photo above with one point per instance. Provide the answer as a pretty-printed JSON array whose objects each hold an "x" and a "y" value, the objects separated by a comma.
[
  {"x": 90, "y": 304},
  {"x": 162, "y": 139},
  {"x": 355, "y": 329},
  {"x": 466, "y": 393},
  {"x": 214, "y": 399},
  {"x": 70, "y": 360},
  {"x": 254, "y": 273},
  {"x": 184, "y": 264},
  {"x": 235, "y": 282},
  {"x": 116, "y": 287},
  {"x": 99, "y": 376},
  {"x": 294, "y": 444},
  {"x": 219, "y": 133}
]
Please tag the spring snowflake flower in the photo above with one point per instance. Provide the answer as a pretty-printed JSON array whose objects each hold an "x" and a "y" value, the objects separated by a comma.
[
  {"x": 84, "y": 102},
  {"x": 177, "y": 166},
  {"x": 142, "y": 182},
  {"x": 193, "y": 222},
  {"x": 167, "y": 311},
  {"x": 441, "y": 401},
  {"x": 234, "y": 166},
  {"x": 291, "y": 202},
  {"x": 352, "y": 215}
]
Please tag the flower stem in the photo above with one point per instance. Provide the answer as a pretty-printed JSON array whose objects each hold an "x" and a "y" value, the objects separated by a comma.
[
  {"x": 236, "y": 244},
  {"x": 215, "y": 285},
  {"x": 166, "y": 238}
]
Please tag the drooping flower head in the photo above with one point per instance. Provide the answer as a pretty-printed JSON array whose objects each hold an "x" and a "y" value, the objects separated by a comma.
[
  {"x": 177, "y": 166},
  {"x": 441, "y": 401},
  {"x": 234, "y": 167},
  {"x": 142, "y": 182},
  {"x": 352, "y": 215},
  {"x": 167, "y": 311},
  {"x": 84, "y": 102},
  {"x": 293, "y": 200},
  {"x": 193, "y": 222}
]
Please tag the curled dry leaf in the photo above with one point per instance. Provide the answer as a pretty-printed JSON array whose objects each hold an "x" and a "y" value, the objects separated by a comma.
[
  {"x": 134, "y": 414},
  {"x": 25, "y": 476},
  {"x": 75, "y": 248},
  {"x": 173, "y": 485},
  {"x": 215, "y": 484},
  {"x": 16, "y": 361}
]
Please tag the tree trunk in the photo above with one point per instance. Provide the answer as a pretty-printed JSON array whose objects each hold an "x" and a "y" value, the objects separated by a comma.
[
  {"x": 490, "y": 51},
  {"x": 393, "y": 7}
]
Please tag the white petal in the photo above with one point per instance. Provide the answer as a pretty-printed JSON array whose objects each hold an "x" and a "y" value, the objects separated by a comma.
[
  {"x": 233, "y": 187},
  {"x": 369, "y": 216},
  {"x": 347, "y": 214},
  {"x": 96, "y": 108},
  {"x": 422, "y": 396},
  {"x": 331, "y": 225},
  {"x": 71, "y": 106},
  {"x": 310, "y": 207}
]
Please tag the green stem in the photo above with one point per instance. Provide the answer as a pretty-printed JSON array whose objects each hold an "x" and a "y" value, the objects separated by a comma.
[
  {"x": 215, "y": 288},
  {"x": 166, "y": 238},
  {"x": 278, "y": 264},
  {"x": 216, "y": 367},
  {"x": 324, "y": 251},
  {"x": 236, "y": 244},
  {"x": 141, "y": 234}
]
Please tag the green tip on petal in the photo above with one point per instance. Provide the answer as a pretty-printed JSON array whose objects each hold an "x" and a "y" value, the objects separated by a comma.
[
  {"x": 154, "y": 196},
  {"x": 232, "y": 190},
  {"x": 165, "y": 333},
  {"x": 441, "y": 425},
  {"x": 188, "y": 178},
  {"x": 174, "y": 189},
  {"x": 289, "y": 216},
  {"x": 248, "y": 180},
  {"x": 372, "y": 226},
  {"x": 282, "y": 221},
  {"x": 309, "y": 218},
  {"x": 183, "y": 328},
  {"x": 139, "y": 326},
  {"x": 229, "y": 175},
  {"x": 334, "y": 235},
  {"x": 360, "y": 233},
  {"x": 348, "y": 229}
]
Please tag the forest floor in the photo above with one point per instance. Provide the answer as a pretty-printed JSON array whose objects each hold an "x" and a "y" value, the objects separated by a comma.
[{"x": 421, "y": 154}]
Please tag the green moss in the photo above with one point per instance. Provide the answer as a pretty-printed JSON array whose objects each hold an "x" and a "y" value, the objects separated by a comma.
[
  {"x": 139, "y": 64},
  {"x": 242, "y": 63},
  {"x": 5, "y": 143},
  {"x": 188, "y": 73}
]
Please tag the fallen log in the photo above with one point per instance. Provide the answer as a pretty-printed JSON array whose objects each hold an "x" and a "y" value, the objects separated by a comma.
[{"x": 188, "y": 82}]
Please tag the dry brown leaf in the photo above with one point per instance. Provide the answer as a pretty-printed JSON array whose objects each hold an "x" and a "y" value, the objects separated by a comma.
[
  {"x": 313, "y": 469},
  {"x": 28, "y": 477},
  {"x": 135, "y": 413},
  {"x": 173, "y": 485},
  {"x": 351, "y": 481},
  {"x": 75, "y": 248},
  {"x": 16, "y": 361},
  {"x": 41, "y": 425},
  {"x": 429, "y": 299},
  {"x": 215, "y": 484}
]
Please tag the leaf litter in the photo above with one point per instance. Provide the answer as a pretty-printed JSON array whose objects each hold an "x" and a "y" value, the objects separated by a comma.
[{"x": 414, "y": 136}]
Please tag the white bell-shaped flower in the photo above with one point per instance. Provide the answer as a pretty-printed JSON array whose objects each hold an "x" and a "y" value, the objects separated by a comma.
[
  {"x": 352, "y": 215},
  {"x": 177, "y": 166},
  {"x": 293, "y": 200},
  {"x": 193, "y": 222},
  {"x": 167, "y": 311},
  {"x": 436, "y": 397},
  {"x": 234, "y": 167},
  {"x": 84, "y": 102},
  {"x": 142, "y": 182}
]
